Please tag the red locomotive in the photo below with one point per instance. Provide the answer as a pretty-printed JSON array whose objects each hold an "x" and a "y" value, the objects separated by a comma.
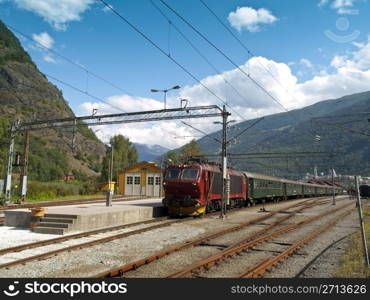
[{"x": 195, "y": 189}]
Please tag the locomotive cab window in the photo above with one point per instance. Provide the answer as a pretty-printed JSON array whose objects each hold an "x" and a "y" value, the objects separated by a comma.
[
  {"x": 173, "y": 173},
  {"x": 189, "y": 174}
]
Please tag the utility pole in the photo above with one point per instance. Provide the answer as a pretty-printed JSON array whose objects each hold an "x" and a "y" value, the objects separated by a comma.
[
  {"x": 110, "y": 172},
  {"x": 225, "y": 198},
  {"x": 9, "y": 165},
  {"x": 74, "y": 135},
  {"x": 24, "y": 171},
  {"x": 332, "y": 183},
  {"x": 359, "y": 205}
]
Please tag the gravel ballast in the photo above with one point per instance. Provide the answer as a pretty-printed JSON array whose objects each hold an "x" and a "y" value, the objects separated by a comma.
[{"x": 90, "y": 261}]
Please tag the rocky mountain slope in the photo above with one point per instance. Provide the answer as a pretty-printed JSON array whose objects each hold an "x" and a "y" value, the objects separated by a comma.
[
  {"x": 342, "y": 127},
  {"x": 25, "y": 93},
  {"x": 149, "y": 152}
]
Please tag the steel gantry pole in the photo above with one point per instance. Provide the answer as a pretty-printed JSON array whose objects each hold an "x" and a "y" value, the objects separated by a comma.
[
  {"x": 361, "y": 219},
  {"x": 9, "y": 165},
  {"x": 110, "y": 177},
  {"x": 224, "y": 200},
  {"x": 24, "y": 171}
]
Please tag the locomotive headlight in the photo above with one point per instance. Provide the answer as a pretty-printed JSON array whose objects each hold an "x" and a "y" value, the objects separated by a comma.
[{"x": 194, "y": 184}]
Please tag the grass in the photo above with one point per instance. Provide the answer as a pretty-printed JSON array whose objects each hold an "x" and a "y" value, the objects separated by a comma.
[
  {"x": 352, "y": 264},
  {"x": 58, "y": 190},
  {"x": 70, "y": 197}
]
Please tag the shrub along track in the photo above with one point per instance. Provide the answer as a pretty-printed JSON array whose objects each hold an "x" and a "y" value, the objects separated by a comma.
[
  {"x": 158, "y": 223},
  {"x": 123, "y": 270}
]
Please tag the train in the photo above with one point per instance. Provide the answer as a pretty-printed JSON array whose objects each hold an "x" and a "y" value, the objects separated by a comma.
[
  {"x": 365, "y": 191},
  {"x": 196, "y": 189}
]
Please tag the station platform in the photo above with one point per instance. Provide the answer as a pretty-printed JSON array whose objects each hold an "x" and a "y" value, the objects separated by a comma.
[{"x": 85, "y": 217}]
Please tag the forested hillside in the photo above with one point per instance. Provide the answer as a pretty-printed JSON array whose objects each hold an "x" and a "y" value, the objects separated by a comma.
[
  {"x": 25, "y": 93},
  {"x": 342, "y": 127}
]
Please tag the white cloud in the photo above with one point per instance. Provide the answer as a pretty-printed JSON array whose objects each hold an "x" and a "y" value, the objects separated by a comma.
[
  {"x": 342, "y": 3},
  {"x": 343, "y": 7},
  {"x": 348, "y": 74},
  {"x": 107, "y": 9},
  {"x": 305, "y": 62},
  {"x": 250, "y": 19},
  {"x": 49, "y": 59},
  {"x": 323, "y": 2},
  {"x": 56, "y": 12},
  {"x": 44, "y": 39}
]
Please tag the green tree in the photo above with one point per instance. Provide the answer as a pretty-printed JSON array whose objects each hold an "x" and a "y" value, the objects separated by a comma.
[
  {"x": 170, "y": 158},
  {"x": 124, "y": 155},
  {"x": 189, "y": 150}
]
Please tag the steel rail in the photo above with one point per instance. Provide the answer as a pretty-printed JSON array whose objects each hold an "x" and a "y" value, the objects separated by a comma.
[
  {"x": 76, "y": 236},
  {"x": 246, "y": 244},
  {"x": 266, "y": 265},
  {"x": 322, "y": 252},
  {"x": 88, "y": 233},
  {"x": 119, "y": 271},
  {"x": 88, "y": 244},
  {"x": 94, "y": 242}
]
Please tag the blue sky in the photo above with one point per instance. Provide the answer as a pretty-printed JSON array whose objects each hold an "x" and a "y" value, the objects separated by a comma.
[{"x": 316, "y": 49}]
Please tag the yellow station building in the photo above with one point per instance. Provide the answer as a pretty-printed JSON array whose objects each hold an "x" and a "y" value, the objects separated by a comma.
[{"x": 142, "y": 179}]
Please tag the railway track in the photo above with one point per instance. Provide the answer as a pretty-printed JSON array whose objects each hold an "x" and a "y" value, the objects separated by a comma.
[
  {"x": 123, "y": 270},
  {"x": 252, "y": 241},
  {"x": 158, "y": 223},
  {"x": 262, "y": 267},
  {"x": 68, "y": 202}
]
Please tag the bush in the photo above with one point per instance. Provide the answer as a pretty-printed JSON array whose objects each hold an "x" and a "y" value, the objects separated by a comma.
[{"x": 52, "y": 190}]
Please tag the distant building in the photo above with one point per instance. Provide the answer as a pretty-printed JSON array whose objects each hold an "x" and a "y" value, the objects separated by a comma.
[
  {"x": 142, "y": 179},
  {"x": 69, "y": 177}
]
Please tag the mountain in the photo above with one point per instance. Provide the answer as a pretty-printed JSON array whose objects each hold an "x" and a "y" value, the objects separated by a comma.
[
  {"x": 26, "y": 93},
  {"x": 339, "y": 129},
  {"x": 149, "y": 152}
]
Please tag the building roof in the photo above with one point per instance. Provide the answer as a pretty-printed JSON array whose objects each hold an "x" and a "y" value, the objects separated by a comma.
[{"x": 142, "y": 166}]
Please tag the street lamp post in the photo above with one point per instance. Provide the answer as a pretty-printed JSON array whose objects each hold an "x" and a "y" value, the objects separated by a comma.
[
  {"x": 110, "y": 176},
  {"x": 176, "y": 87}
]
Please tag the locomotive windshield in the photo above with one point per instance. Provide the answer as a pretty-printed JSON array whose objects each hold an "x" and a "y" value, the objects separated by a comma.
[
  {"x": 189, "y": 174},
  {"x": 173, "y": 173}
]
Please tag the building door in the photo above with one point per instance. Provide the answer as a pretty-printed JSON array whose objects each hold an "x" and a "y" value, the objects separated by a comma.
[
  {"x": 129, "y": 182},
  {"x": 132, "y": 184},
  {"x": 158, "y": 185},
  {"x": 137, "y": 185},
  {"x": 150, "y": 184}
]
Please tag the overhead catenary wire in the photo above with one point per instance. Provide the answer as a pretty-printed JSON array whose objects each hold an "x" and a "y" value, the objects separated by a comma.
[
  {"x": 84, "y": 92},
  {"x": 223, "y": 54},
  {"x": 249, "y": 52},
  {"x": 202, "y": 132},
  {"x": 246, "y": 129},
  {"x": 196, "y": 49},
  {"x": 230, "y": 60},
  {"x": 72, "y": 87},
  {"x": 69, "y": 60},
  {"x": 346, "y": 129},
  {"x": 155, "y": 45}
]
